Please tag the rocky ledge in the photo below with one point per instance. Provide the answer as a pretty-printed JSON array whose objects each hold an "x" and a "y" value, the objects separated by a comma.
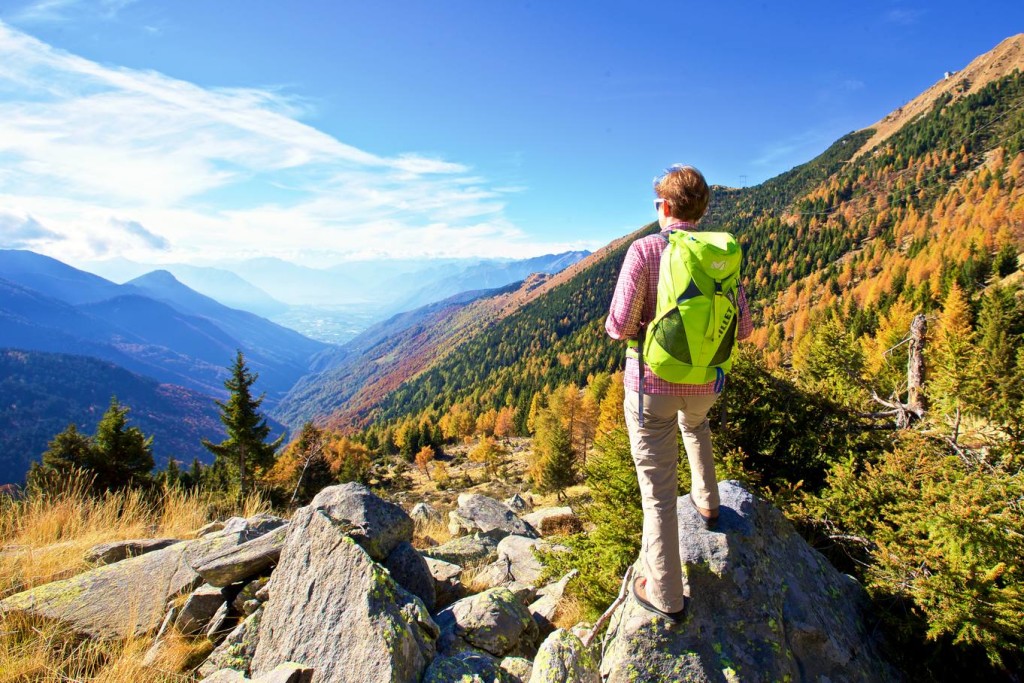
[{"x": 338, "y": 594}]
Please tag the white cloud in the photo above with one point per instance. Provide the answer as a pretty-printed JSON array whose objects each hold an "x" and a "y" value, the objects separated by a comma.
[
  {"x": 54, "y": 11},
  {"x": 22, "y": 232},
  {"x": 92, "y": 149},
  {"x": 136, "y": 230}
]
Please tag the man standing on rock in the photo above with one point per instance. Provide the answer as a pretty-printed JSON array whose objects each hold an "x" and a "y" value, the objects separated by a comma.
[{"x": 653, "y": 405}]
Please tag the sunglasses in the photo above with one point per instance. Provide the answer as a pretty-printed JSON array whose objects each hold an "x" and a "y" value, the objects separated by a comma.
[{"x": 657, "y": 204}]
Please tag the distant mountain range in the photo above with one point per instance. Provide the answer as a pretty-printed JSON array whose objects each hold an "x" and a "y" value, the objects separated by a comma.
[
  {"x": 44, "y": 392},
  {"x": 164, "y": 348},
  {"x": 268, "y": 286},
  {"x": 153, "y": 325}
]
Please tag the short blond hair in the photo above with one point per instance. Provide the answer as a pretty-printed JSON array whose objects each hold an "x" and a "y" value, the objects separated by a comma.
[{"x": 685, "y": 191}]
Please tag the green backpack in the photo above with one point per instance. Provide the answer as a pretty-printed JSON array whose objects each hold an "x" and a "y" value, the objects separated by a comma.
[{"x": 691, "y": 338}]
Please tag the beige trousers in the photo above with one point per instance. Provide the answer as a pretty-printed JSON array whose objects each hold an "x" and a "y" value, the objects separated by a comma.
[{"x": 656, "y": 456}]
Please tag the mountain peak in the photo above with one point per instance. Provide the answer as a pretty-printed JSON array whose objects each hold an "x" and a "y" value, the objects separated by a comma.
[
  {"x": 156, "y": 277},
  {"x": 998, "y": 62}
]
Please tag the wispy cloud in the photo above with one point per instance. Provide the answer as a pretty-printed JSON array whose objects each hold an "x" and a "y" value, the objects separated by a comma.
[
  {"x": 139, "y": 232},
  {"x": 782, "y": 153},
  {"x": 51, "y": 11},
  {"x": 903, "y": 16},
  {"x": 20, "y": 232},
  {"x": 99, "y": 151}
]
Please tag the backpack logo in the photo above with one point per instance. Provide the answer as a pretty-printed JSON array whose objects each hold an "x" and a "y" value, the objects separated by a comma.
[{"x": 718, "y": 265}]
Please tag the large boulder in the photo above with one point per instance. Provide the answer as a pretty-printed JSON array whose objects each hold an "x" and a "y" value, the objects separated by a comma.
[
  {"x": 518, "y": 669},
  {"x": 375, "y": 524},
  {"x": 495, "y": 621},
  {"x": 238, "y": 648},
  {"x": 447, "y": 581},
  {"x": 562, "y": 658},
  {"x": 465, "y": 550},
  {"x": 127, "y": 598},
  {"x": 487, "y": 515},
  {"x": 558, "y": 520},
  {"x": 466, "y": 666},
  {"x": 243, "y": 561},
  {"x": 545, "y": 606},
  {"x": 336, "y": 610},
  {"x": 763, "y": 605},
  {"x": 424, "y": 513},
  {"x": 410, "y": 570},
  {"x": 288, "y": 672},
  {"x": 517, "y": 561},
  {"x": 198, "y": 610}
]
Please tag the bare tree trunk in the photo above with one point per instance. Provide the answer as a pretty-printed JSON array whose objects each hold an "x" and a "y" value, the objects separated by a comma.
[
  {"x": 241, "y": 475},
  {"x": 916, "y": 401}
]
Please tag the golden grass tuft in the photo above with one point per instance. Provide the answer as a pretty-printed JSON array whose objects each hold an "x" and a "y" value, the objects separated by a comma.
[
  {"x": 472, "y": 578},
  {"x": 570, "y": 611},
  {"x": 43, "y": 652},
  {"x": 427, "y": 534}
]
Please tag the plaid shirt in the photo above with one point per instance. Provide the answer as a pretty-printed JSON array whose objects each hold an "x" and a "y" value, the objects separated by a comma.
[{"x": 633, "y": 304}]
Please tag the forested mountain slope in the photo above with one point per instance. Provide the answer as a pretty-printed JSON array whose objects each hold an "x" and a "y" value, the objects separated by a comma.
[
  {"x": 44, "y": 392},
  {"x": 809, "y": 225},
  {"x": 558, "y": 336}
]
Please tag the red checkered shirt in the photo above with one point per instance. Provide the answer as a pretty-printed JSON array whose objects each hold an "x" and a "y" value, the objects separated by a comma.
[{"x": 633, "y": 304}]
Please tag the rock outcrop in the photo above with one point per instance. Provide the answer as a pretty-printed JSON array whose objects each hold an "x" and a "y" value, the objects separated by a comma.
[
  {"x": 492, "y": 517},
  {"x": 562, "y": 658},
  {"x": 495, "y": 621},
  {"x": 350, "y": 599},
  {"x": 332, "y": 607},
  {"x": 115, "y": 551},
  {"x": 465, "y": 550},
  {"x": 763, "y": 606},
  {"x": 129, "y": 598}
]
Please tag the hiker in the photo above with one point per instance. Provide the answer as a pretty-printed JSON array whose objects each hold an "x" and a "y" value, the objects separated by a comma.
[{"x": 682, "y": 199}]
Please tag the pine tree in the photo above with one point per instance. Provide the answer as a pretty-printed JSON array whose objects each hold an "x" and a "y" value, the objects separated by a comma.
[
  {"x": 245, "y": 452},
  {"x": 68, "y": 452},
  {"x": 123, "y": 455}
]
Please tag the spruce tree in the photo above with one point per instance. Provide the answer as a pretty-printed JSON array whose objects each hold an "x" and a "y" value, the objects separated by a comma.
[
  {"x": 123, "y": 455},
  {"x": 557, "y": 471},
  {"x": 68, "y": 452},
  {"x": 245, "y": 452}
]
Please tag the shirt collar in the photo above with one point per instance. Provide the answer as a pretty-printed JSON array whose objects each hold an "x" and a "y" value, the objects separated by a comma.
[{"x": 680, "y": 225}]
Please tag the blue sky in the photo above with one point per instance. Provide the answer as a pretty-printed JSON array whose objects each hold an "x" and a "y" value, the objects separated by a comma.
[{"x": 322, "y": 131}]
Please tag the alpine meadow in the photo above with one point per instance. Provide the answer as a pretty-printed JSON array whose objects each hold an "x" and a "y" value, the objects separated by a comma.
[{"x": 450, "y": 494}]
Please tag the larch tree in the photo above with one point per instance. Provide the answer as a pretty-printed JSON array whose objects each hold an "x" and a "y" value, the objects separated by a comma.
[
  {"x": 245, "y": 451},
  {"x": 954, "y": 360}
]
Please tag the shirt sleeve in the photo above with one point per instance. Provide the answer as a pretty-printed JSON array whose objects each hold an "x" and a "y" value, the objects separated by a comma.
[
  {"x": 627, "y": 305},
  {"x": 745, "y": 327}
]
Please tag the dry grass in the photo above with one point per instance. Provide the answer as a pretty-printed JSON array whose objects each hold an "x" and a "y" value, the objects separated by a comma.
[
  {"x": 570, "y": 611},
  {"x": 32, "y": 651},
  {"x": 472, "y": 577},
  {"x": 45, "y": 538},
  {"x": 430, "y": 533}
]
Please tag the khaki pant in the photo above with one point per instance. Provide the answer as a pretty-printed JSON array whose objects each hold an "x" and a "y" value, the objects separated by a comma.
[{"x": 656, "y": 456}]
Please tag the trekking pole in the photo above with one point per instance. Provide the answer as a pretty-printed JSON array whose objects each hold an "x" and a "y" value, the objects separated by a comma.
[
  {"x": 640, "y": 368},
  {"x": 608, "y": 613}
]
